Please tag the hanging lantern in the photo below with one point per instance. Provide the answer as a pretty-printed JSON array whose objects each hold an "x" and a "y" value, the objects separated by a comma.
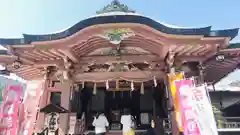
[
  {"x": 52, "y": 123},
  {"x": 17, "y": 64},
  {"x": 95, "y": 89},
  {"x": 83, "y": 84},
  {"x": 142, "y": 89},
  {"x": 155, "y": 81},
  {"x": 132, "y": 86},
  {"x": 107, "y": 85}
]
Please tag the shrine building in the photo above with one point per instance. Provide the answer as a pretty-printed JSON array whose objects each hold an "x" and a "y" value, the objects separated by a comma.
[{"x": 114, "y": 60}]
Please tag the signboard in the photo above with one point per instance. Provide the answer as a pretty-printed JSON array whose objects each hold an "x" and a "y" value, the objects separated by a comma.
[
  {"x": 195, "y": 109},
  {"x": 12, "y": 91}
]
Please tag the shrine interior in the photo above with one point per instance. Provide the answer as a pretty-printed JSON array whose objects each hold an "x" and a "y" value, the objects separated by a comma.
[{"x": 143, "y": 103}]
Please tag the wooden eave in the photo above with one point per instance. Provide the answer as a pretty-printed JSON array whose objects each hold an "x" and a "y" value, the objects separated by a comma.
[
  {"x": 215, "y": 70},
  {"x": 139, "y": 29},
  {"x": 38, "y": 55}
]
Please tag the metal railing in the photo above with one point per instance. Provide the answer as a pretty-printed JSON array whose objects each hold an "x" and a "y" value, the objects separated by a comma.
[{"x": 229, "y": 123}]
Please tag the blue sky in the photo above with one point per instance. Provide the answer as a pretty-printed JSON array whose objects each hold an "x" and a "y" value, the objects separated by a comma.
[{"x": 47, "y": 16}]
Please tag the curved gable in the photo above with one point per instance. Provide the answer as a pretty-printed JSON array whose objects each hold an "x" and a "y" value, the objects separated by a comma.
[{"x": 205, "y": 31}]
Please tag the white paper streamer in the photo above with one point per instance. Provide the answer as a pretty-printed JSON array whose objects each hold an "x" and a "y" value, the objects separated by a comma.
[
  {"x": 107, "y": 85},
  {"x": 155, "y": 81},
  {"x": 132, "y": 86},
  {"x": 83, "y": 84}
]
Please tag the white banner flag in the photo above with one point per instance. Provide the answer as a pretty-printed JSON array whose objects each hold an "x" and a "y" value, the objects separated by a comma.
[{"x": 204, "y": 112}]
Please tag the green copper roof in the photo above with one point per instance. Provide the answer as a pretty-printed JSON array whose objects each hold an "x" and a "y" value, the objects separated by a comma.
[
  {"x": 234, "y": 46},
  {"x": 115, "y": 6}
]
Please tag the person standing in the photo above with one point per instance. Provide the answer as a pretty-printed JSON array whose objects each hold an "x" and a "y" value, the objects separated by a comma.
[
  {"x": 128, "y": 123},
  {"x": 100, "y": 123}
]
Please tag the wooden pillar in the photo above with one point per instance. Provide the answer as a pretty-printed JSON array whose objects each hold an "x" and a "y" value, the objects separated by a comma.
[
  {"x": 170, "y": 69},
  {"x": 67, "y": 84},
  {"x": 43, "y": 102},
  {"x": 65, "y": 102},
  {"x": 154, "y": 104},
  {"x": 201, "y": 74}
]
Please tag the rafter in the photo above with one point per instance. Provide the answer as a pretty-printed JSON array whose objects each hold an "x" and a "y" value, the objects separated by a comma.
[
  {"x": 70, "y": 54},
  {"x": 13, "y": 53}
]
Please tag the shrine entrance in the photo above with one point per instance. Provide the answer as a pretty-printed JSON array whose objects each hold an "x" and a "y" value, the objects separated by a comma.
[
  {"x": 116, "y": 102},
  {"x": 143, "y": 103}
]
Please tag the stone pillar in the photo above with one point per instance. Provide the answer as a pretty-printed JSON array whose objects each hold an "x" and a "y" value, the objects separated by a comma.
[{"x": 65, "y": 98}]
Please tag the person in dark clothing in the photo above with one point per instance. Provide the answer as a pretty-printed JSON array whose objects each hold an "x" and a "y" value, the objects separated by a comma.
[
  {"x": 85, "y": 96},
  {"x": 156, "y": 127}
]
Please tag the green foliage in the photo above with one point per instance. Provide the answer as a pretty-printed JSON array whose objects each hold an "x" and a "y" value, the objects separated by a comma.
[{"x": 217, "y": 113}]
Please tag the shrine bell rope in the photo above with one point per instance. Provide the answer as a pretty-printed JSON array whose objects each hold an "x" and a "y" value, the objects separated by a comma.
[
  {"x": 148, "y": 77},
  {"x": 132, "y": 80}
]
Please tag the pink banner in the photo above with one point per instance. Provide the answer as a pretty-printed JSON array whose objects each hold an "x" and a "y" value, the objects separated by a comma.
[
  {"x": 204, "y": 112},
  {"x": 9, "y": 110},
  {"x": 31, "y": 101},
  {"x": 186, "y": 107}
]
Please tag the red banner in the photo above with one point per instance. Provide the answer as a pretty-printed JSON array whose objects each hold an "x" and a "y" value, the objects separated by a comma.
[
  {"x": 30, "y": 105},
  {"x": 186, "y": 107},
  {"x": 9, "y": 110}
]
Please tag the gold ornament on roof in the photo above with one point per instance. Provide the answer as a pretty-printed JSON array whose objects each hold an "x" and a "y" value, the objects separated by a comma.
[
  {"x": 115, "y": 6},
  {"x": 115, "y": 36}
]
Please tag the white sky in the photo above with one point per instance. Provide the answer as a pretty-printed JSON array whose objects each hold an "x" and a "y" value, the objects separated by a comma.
[{"x": 224, "y": 84}]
